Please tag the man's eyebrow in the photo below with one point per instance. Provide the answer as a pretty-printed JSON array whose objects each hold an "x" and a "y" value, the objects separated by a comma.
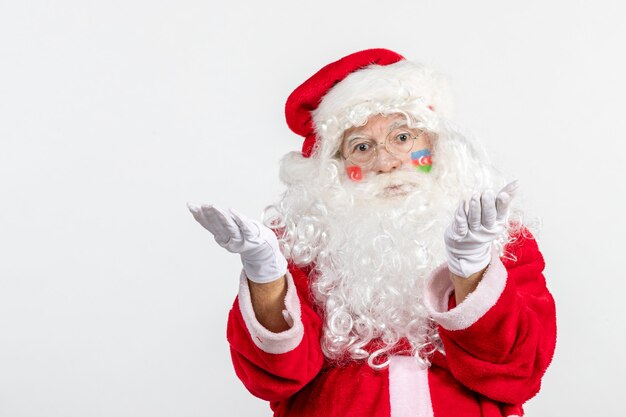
[
  {"x": 356, "y": 135},
  {"x": 397, "y": 124},
  {"x": 359, "y": 135}
]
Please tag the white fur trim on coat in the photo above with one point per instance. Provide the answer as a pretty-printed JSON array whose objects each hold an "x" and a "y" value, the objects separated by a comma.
[
  {"x": 439, "y": 287},
  {"x": 409, "y": 393},
  {"x": 264, "y": 339}
]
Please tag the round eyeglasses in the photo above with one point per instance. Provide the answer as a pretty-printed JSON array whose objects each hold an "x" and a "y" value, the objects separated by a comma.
[{"x": 363, "y": 151}]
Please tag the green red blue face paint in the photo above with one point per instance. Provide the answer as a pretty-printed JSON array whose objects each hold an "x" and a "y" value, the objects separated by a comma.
[
  {"x": 354, "y": 173},
  {"x": 422, "y": 160}
]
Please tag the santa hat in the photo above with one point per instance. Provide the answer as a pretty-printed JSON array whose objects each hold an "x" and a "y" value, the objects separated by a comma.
[{"x": 348, "y": 91}]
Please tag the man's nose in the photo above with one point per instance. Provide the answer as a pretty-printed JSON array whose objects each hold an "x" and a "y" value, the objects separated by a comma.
[{"x": 385, "y": 162}]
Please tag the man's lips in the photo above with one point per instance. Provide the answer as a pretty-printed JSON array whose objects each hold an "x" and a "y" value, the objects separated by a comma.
[{"x": 394, "y": 190}]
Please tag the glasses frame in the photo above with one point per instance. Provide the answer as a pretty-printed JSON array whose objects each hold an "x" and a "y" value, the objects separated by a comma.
[{"x": 385, "y": 144}]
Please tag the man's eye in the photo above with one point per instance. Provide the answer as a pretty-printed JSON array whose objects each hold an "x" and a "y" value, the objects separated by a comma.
[
  {"x": 403, "y": 137},
  {"x": 361, "y": 147}
]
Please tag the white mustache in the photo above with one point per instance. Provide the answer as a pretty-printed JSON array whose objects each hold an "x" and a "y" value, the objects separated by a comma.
[{"x": 385, "y": 184}]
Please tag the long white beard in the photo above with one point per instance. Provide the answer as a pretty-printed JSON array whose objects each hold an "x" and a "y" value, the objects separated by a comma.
[
  {"x": 372, "y": 246},
  {"x": 372, "y": 250},
  {"x": 371, "y": 275}
]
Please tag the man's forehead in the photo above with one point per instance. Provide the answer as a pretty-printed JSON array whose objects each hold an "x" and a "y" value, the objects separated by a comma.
[{"x": 380, "y": 122}]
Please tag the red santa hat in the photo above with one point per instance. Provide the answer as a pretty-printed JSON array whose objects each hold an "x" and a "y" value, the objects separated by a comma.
[{"x": 346, "y": 92}]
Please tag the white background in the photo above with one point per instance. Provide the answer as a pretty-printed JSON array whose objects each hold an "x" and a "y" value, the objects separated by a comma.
[{"x": 113, "y": 301}]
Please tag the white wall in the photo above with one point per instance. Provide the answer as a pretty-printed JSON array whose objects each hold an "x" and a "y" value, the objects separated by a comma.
[{"x": 113, "y": 301}]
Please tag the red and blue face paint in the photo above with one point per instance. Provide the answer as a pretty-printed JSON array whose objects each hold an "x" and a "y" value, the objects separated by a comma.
[{"x": 421, "y": 160}]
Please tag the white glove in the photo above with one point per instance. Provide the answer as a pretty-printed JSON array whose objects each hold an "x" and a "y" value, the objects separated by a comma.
[
  {"x": 257, "y": 244},
  {"x": 468, "y": 238}
]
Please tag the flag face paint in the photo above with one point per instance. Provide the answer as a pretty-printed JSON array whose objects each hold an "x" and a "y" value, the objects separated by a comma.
[
  {"x": 422, "y": 160},
  {"x": 354, "y": 173}
]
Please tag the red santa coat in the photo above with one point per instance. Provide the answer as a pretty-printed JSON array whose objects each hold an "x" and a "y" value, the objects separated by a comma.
[{"x": 498, "y": 343}]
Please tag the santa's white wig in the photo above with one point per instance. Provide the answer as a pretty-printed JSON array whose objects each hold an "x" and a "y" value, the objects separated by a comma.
[{"x": 370, "y": 252}]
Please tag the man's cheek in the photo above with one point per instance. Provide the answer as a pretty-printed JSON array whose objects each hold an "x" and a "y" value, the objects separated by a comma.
[
  {"x": 354, "y": 173},
  {"x": 422, "y": 160}
]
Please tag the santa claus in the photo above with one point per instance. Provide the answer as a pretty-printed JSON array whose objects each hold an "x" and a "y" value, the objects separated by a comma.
[{"x": 389, "y": 279}]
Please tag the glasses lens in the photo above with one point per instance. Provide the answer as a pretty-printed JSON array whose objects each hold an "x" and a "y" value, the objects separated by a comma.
[
  {"x": 401, "y": 141},
  {"x": 362, "y": 151}
]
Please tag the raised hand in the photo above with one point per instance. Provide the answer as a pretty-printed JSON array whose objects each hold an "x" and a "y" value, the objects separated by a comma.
[
  {"x": 257, "y": 244},
  {"x": 468, "y": 238}
]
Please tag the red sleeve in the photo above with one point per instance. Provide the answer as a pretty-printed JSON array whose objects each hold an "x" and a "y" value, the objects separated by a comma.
[
  {"x": 273, "y": 366},
  {"x": 500, "y": 340}
]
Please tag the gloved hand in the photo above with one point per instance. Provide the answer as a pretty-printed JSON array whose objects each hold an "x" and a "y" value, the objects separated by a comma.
[
  {"x": 257, "y": 244},
  {"x": 468, "y": 238}
]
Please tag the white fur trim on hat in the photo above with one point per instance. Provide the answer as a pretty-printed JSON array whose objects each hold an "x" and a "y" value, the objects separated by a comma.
[{"x": 402, "y": 87}]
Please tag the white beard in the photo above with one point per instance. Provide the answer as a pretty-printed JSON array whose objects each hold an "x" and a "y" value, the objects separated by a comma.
[
  {"x": 372, "y": 244},
  {"x": 378, "y": 256}
]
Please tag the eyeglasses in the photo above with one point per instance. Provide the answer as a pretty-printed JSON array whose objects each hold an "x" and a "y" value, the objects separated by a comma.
[{"x": 363, "y": 151}]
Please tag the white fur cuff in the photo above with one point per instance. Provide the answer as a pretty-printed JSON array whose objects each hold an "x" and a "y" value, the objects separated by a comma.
[
  {"x": 264, "y": 339},
  {"x": 439, "y": 288}
]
